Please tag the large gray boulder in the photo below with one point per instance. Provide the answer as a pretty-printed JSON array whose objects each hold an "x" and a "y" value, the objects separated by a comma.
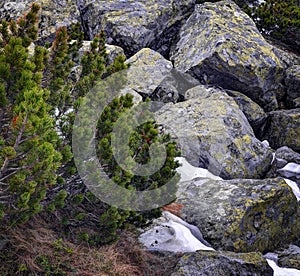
[
  {"x": 282, "y": 128},
  {"x": 147, "y": 70},
  {"x": 134, "y": 25},
  {"x": 220, "y": 44},
  {"x": 54, "y": 14},
  {"x": 241, "y": 215},
  {"x": 222, "y": 263},
  {"x": 213, "y": 133}
]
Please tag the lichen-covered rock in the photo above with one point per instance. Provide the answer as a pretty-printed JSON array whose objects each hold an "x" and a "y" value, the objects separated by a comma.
[
  {"x": 220, "y": 44},
  {"x": 286, "y": 57},
  {"x": 242, "y": 215},
  {"x": 147, "y": 69},
  {"x": 134, "y": 25},
  {"x": 287, "y": 154},
  {"x": 213, "y": 133},
  {"x": 292, "y": 82},
  {"x": 282, "y": 157},
  {"x": 255, "y": 115},
  {"x": 112, "y": 51},
  {"x": 289, "y": 257},
  {"x": 282, "y": 128},
  {"x": 54, "y": 14},
  {"x": 223, "y": 263}
]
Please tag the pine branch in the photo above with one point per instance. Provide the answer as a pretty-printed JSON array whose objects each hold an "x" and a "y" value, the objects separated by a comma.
[{"x": 16, "y": 144}]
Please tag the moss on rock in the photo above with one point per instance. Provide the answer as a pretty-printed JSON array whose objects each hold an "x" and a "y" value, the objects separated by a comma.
[
  {"x": 242, "y": 215},
  {"x": 213, "y": 133},
  {"x": 223, "y": 263},
  {"x": 220, "y": 44},
  {"x": 283, "y": 129}
]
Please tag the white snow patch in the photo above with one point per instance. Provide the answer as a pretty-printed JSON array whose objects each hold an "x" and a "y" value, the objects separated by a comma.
[
  {"x": 172, "y": 234},
  {"x": 189, "y": 172},
  {"x": 282, "y": 271},
  {"x": 294, "y": 187},
  {"x": 261, "y": 1},
  {"x": 290, "y": 170},
  {"x": 265, "y": 143}
]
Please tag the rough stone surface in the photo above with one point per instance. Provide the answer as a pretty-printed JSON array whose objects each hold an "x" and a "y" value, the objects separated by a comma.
[
  {"x": 295, "y": 103},
  {"x": 134, "y": 25},
  {"x": 223, "y": 263},
  {"x": 54, "y": 14},
  {"x": 147, "y": 69},
  {"x": 287, "y": 154},
  {"x": 292, "y": 82},
  {"x": 220, "y": 44},
  {"x": 290, "y": 257},
  {"x": 287, "y": 58},
  {"x": 213, "y": 133},
  {"x": 111, "y": 50},
  {"x": 173, "y": 87},
  {"x": 241, "y": 215},
  {"x": 255, "y": 115},
  {"x": 283, "y": 156},
  {"x": 282, "y": 128}
]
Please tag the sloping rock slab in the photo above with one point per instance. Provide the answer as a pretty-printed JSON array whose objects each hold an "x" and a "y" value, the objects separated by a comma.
[
  {"x": 220, "y": 44},
  {"x": 223, "y": 263},
  {"x": 213, "y": 133},
  {"x": 242, "y": 215},
  {"x": 134, "y": 25},
  {"x": 253, "y": 112}
]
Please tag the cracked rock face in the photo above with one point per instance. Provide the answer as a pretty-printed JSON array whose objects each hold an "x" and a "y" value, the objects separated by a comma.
[
  {"x": 134, "y": 25},
  {"x": 213, "y": 133},
  {"x": 241, "y": 215},
  {"x": 220, "y": 44}
]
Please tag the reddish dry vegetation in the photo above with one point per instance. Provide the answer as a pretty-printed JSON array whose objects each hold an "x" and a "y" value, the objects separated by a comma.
[
  {"x": 35, "y": 249},
  {"x": 173, "y": 208}
]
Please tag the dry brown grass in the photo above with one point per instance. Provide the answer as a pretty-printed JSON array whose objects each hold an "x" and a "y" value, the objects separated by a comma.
[
  {"x": 38, "y": 249},
  {"x": 35, "y": 249}
]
